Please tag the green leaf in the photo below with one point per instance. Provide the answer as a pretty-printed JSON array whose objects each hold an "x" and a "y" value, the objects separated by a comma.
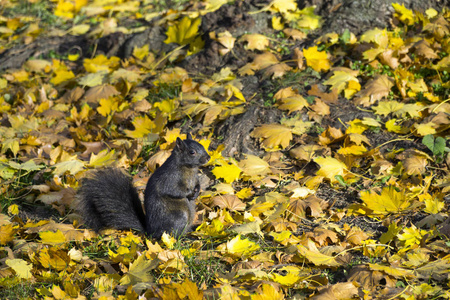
[
  {"x": 437, "y": 146},
  {"x": 345, "y": 37},
  {"x": 340, "y": 180}
]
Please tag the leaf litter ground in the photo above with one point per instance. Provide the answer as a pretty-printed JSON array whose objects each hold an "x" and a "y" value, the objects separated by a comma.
[{"x": 329, "y": 170}]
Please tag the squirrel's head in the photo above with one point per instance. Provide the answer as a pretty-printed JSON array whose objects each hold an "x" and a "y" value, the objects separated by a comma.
[{"x": 190, "y": 153}]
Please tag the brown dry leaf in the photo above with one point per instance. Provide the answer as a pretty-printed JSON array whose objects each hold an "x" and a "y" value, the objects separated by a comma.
[
  {"x": 225, "y": 39},
  {"x": 294, "y": 34},
  {"x": 331, "y": 97},
  {"x": 260, "y": 62},
  {"x": 320, "y": 108},
  {"x": 104, "y": 91},
  {"x": 388, "y": 58},
  {"x": 285, "y": 93},
  {"x": 368, "y": 278},
  {"x": 331, "y": 135},
  {"x": 423, "y": 48},
  {"x": 264, "y": 60},
  {"x": 374, "y": 90},
  {"x": 338, "y": 291},
  {"x": 415, "y": 163},
  {"x": 309, "y": 152},
  {"x": 255, "y": 41},
  {"x": 309, "y": 207},
  {"x": 323, "y": 236},
  {"x": 355, "y": 236},
  {"x": 157, "y": 159},
  {"x": 439, "y": 28},
  {"x": 277, "y": 70},
  {"x": 299, "y": 58},
  {"x": 231, "y": 202},
  {"x": 437, "y": 270}
]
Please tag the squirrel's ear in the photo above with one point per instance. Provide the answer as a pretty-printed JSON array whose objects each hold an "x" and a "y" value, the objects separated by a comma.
[
  {"x": 189, "y": 136},
  {"x": 179, "y": 145}
]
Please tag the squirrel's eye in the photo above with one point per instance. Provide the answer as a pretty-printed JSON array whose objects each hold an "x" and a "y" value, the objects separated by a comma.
[{"x": 192, "y": 152}]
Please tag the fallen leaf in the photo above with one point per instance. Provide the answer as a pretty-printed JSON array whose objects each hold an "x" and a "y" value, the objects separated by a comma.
[
  {"x": 389, "y": 201},
  {"x": 273, "y": 136},
  {"x": 317, "y": 60}
]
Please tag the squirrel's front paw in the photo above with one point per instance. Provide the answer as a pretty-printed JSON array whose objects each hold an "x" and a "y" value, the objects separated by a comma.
[{"x": 194, "y": 194}]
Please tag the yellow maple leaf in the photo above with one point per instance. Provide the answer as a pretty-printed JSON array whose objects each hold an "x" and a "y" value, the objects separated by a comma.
[
  {"x": 168, "y": 240},
  {"x": 13, "y": 209},
  {"x": 273, "y": 136},
  {"x": 108, "y": 106},
  {"x": 316, "y": 257},
  {"x": 389, "y": 201},
  {"x": 183, "y": 32},
  {"x": 61, "y": 75},
  {"x": 21, "y": 267},
  {"x": 351, "y": 89},
  {"x": 254, "y": 166},
  {"x": 340, "y": 80},
  {"x": 424, "y": 129},
  {"x": 101, "y": 63},
  {"x": 80, "y": 29},
  {"x": 376, "y": 36},
  {"x": 7, "y": 232},
  {"x": 410, "y": 109},
  {"x": 352, "y": 150},
  {"x": 268, "y": 292},
  {"x": 21, "y": 75},
  {"x": 277, "y": 23},
  {"x": 403, "y": 14},
  {"x": 411, "y": 236},
  {"x": 244, "y": 193},
  {"x": 317, "y": 60},
  {"x": 290, "y": 276},
  {"x": 330, "y": 167},
  {"x": 239, "y": 247},
  {"x": 214, "y": 229},
  {"x": 283, "y": 6},
  {"x": 433, "y": 205},
  {"x": 139, "y": 271},
  {"x": 356, "y": 126},
  {"x": 294, "y": 103},
  {"x": 255, "y": 41},
  {"x": 392, "y": 126},
  {"x": 309, "y": 22},
  {"x": 142, "y": 127},
  {"x": 228, "y": 171},
  {"x": 386, "y": 107},
  {"x": 141, "y": 52},
  {"x": 103, "y": 158},
  {"x": 67, "y": 9},
  {"x": 73, "y": 166},
  {"x": 49, "y": 237}
]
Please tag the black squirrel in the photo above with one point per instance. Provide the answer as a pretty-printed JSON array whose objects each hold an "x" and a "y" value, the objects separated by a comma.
[{"x": 108, "y": 198}]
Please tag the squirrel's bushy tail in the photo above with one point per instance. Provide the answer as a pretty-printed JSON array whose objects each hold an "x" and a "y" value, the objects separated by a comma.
[{"x": 108, "y": 199}]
